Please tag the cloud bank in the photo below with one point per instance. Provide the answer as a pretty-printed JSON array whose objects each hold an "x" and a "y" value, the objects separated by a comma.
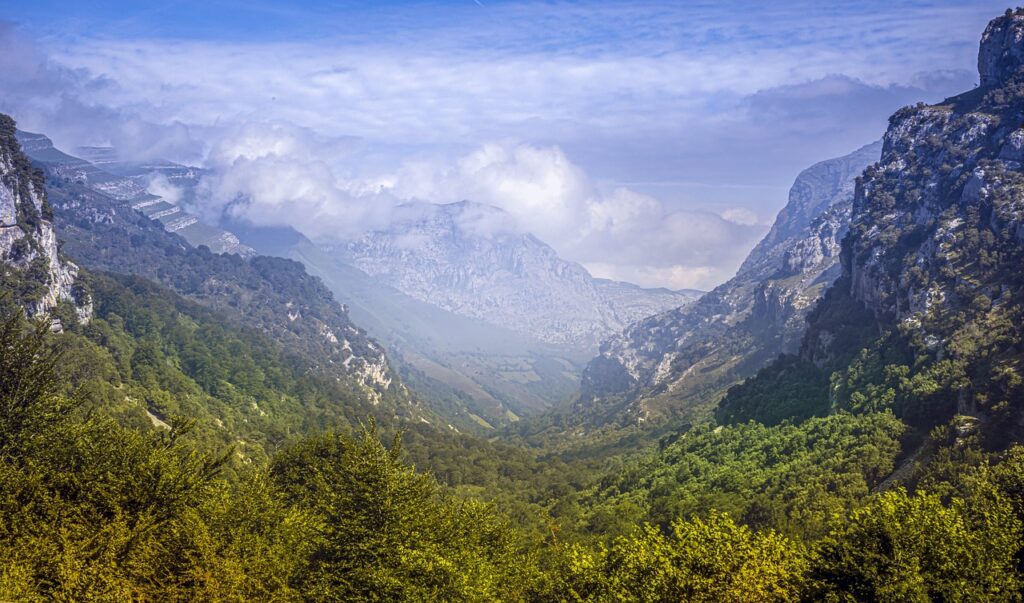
[{"x": 649, "y": 142}]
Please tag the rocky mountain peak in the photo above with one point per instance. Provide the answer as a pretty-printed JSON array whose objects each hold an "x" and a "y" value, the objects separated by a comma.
[
  {"x": 1001, "y": 54},
  {"x": 471, "y": 259},
  {"x": 677, "y": 361},
  {"x": 925, "y": 317}
]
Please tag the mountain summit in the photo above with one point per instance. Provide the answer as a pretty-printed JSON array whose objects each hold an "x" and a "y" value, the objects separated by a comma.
[
  {"x": 1001, "y": 53},
  {"x": 470, "y": 259}
]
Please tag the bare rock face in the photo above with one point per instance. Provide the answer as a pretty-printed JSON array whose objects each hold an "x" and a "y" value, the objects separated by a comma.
[
  {"x": 925, "y": 317},
  {"x": 948, "y": 172},
  {"x": 950, "y": 179},
  {"x": 1002, "y": 49},
  {"x": 29, "y": 253}
]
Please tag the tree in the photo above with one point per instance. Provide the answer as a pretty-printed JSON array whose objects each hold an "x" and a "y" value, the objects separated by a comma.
[
  {"x": 906, "y": 548},
  {"x": 701, "y": 560},
  {"x": 387, "y": 533}
]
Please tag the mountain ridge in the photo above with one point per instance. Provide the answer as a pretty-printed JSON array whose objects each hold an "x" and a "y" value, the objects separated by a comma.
[
  {"x": 683, "y": 360},
  {"x": 925, "y": 318}
]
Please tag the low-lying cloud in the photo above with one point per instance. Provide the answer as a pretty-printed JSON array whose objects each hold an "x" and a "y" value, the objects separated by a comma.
[
  {"x": 272, "y": 174},
  {"x": 52, "y": 98}
]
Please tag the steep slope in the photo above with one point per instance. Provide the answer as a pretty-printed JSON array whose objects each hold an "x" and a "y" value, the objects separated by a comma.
[
  {"x": 926, "y": 317},
  {"x": 469, "y": 259},
  {"x": 31, "y": 265},
  {"x": 684, "y": 358}
]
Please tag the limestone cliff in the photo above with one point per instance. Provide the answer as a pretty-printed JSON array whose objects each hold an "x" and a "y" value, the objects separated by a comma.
[
  {"x": 926, "y": 316},
  {"x": 31, "y": 266}
]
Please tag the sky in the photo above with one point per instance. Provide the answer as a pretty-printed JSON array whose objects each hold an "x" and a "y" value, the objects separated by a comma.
[{"x": 651, "y": 142}]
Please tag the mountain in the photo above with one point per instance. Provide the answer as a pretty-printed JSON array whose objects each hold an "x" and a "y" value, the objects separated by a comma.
[
  {"x": 32, "y": 266},
  {"x": 684, "y": 359},
  {"x": 474, "y": 373},
  {"x": 475, "y": 315},
  {"x": 926, "y": 316},
  {"x": 104, "y": 232},
  {"x": 100, "y": 169},
  {"x": 469, "y": 259}
]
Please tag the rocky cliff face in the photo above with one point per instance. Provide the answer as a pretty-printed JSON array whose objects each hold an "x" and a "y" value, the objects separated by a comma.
[
  {"x": 941, "y": 214},
  {"x": 31, "y": 265},
  {"x": 682, "y": 358},
  {"x": 948, "y": 172},
  {"x": 926, "y": 316},
  {"x": 468, "y": 259}
]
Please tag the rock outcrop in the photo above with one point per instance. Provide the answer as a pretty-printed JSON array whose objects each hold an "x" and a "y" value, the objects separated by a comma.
[
  {"x": 950, "y": 178},
  {"x": 31, "y": 265},
  {"x": 1002, "y": 49}
]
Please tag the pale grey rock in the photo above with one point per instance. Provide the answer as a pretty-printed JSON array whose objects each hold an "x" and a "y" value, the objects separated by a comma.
[
  {"x": 1002, "y": 49},
  {"x": 23, "y": 243},
  {"x": 949, "y": 176}
]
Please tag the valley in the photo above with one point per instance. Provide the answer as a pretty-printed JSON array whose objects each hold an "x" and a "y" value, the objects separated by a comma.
[{"x": 205, "y": 397}]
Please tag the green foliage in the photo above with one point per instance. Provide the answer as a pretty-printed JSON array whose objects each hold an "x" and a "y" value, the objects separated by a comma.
[
  {"x": 149, "y": 350},
  {"x": 92, "y": 511},
  {"x": 790, "y": 477},
  {"x": 791, "y": 388},
  {"x": 387, "y": 533},
  {"x": 29, "y": 396},
  {"x": 707, "y": 560},
  {"x": 905, "y": 548}
]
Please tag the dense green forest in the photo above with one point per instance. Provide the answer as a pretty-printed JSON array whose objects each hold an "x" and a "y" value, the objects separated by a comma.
[{"x": 96, "y": 510}]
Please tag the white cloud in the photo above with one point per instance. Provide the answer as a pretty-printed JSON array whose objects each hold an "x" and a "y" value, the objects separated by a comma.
[
  {"x": 280, "y": 174},
  {"x": 160, "y": 186},
  {"x": 684, "y": 122},
  {"x": 621, "y": 232},
  {"x": 742, "y": 216},
  {"x": 45, "y": 96},
  {"x": 672, "y": 277}
]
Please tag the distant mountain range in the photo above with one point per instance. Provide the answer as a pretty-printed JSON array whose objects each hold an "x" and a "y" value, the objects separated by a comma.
[{"x": 490, "y": 326}]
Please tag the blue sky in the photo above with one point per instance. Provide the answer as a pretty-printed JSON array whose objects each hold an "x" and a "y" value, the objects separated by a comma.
[{"x": 652, "y": 142}]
